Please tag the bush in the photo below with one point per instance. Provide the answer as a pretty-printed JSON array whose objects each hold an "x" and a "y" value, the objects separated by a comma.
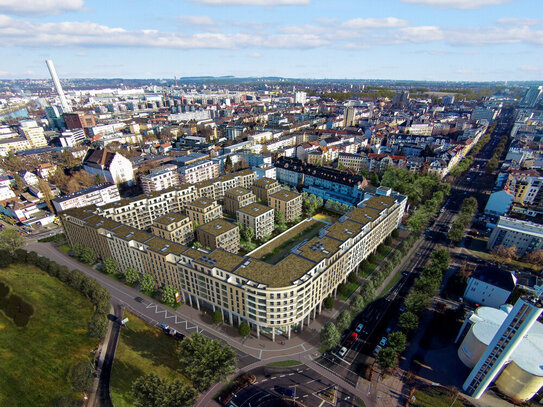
[
  {"x": 388, "y": 241},
  {"x": 81, "y": 377},
  {"x": 329, "y": 302},
  {"x": 4, "y": 290},
  {"x": 217, "y": 317},
  {"x": 97, "y": 326},
  {"x": 342, "y": 289},
  {"x": 21, "y": 319},
  {"x": 395, "y": 234},
  {"x": 244, "y": 329},
  {"x": 352, "y": 278}
]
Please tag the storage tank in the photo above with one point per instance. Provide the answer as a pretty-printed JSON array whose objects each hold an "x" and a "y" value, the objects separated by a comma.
[
  {"x": 517, "y": 383},
  {"x": 471, "y": 349}
]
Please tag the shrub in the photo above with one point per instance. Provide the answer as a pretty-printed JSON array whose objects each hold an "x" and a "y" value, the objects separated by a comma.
[
  {"x": 20, "y": 256},
  {"x": 352, "y": 278},
  {"x": 4, "y": 290},
  {"x": 329, "y": 302},
  {"x": 97, "y": 326},
  {"x": 21, "y": 319},
  {"x": 395, "y": 233},
  {"x": 217, "y": 317},
  {"x": 75, "y": 279},
  {"x": 388, "y": 241},
  {"x": 81, "y": 377},
  {"x": 32, "y": 258},
  {"x": 342, "y": 289},
  {"x": 244, "y": 329}
]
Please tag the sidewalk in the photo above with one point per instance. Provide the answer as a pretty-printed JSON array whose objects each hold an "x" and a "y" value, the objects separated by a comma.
[{"x": 102, "y": 350}]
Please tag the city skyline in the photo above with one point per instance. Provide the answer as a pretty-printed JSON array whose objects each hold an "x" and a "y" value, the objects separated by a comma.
[{"x": 456, "y": 40}]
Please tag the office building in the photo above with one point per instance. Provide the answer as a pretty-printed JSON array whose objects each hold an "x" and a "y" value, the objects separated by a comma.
[
  {"x": 175, "y": 227},
  {"x": 203, "y": 210},
  {"x": 236, "y": 198},
  {"x": 525, "y": 236},
  {"x": 97, "y": 195},
  {"x": 258, "y": 217},
  {"x": 35, "y": 135},
  {"x": 290, "y": 203},
  {"x": 219, "y": 234}
]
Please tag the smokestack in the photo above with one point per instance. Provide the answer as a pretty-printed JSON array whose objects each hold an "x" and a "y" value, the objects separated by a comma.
[{"x": 63, "y": 102}]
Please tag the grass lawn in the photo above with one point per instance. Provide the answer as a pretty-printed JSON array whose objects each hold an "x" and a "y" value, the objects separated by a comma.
[
  {"x": 35, "y": 361},
  {"x": 65, "y": 248},
  {"x": 397, "y": 277},
  {"x": 351, "y": 287},
  {"x": 282, "y": 251},
  {"x": 514, "y": 263},
  {"x": 142, "y": 349},
  {"x": 437, "y": 397},
  {"x": 366, "y": 273},
  {"x": 285, "y": 363}
]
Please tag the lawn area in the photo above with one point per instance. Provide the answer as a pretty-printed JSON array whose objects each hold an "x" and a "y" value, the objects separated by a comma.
[
  {"x": 65, "y": 248},
  {"x": 437, "y": 397},
  {"x": 397, "y": 277},
  {"x": 351, "y": 287},
  {"x": 285, "y": 363},
  {"x": 366, "y": 273},
  {"x": 515, "y": 263},
  {"x": 35, "y": 361},
  {"x": 142, "y": 349}
]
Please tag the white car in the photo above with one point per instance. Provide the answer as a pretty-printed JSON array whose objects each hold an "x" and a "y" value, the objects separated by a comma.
[
  {"x": 383, "y": 341},
  {"x": 342, "y": 352}
]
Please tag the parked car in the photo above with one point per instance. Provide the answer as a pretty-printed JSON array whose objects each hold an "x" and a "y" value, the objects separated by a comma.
[
  {"x": 179, "y": 336},
  {"x": 383, "y": 341},
  {"x": 284, "y": 391},
  {"x": 358, "y": 328},
  {"x": 352, "y": 337},
  {"x": 163, "y": 326},
  {"x": 139, "y": 299},
  {"x": 342, "y": 352},
  {"x": 376, "y": 350}
]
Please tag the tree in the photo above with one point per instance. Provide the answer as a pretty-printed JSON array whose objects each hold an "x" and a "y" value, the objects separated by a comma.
[
  {"x": 248, "y": 234},
  {"x": 504, "y": 254},
  {"x": 147, "y": 283},
  {"x": 388, "y": 241},
  {"x": 357, "y": 304},
  {"x": 11, "y": 240},
  {"x": 279, "y": 217},
  {"x": 330, "y": 336},
  {"x": 47, "y": 194},
  {"x": 217, "y": 317},
  {"x": 441, "y": 258},
  {"x": 397, "y": 341},
  {"x": 168, "y": 295},
  {"x": 88, "y": 256},
  {"x": 148, "y": 391},
  {"x": 97, "y": 326},
  {"x": 110, "y": 266},
  {"x": 409, "y": 321},
  {"x": 329, "y": 302},
  {"x": 535, "y": 257},
  {"x": 343, "y": 320},
  {"x": 205, "y": 361},
  {"x": 180, "y": 394},
  {"x": 244, "y": 329},
  {"x": 456, "y": 233},
  {"x": 131, "y": 275},
  {"x": 67, "y": 401},
  {"x": 81, "y": 377},
  {"x": 386, "y": 358},
  {"x": 342, "y": 289},
  {"x": 417, "y": 302},
  {"x": 228, "y": 166},
  {"x": 352, "y": 278}
]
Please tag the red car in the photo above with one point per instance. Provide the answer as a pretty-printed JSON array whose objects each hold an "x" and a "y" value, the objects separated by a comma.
[{"x": 352, "y": 338}]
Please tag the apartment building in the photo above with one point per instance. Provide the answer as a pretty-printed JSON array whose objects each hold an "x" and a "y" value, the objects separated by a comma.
[
  {"x": 264, "y": 187},
  {"x": 203, "y": 210},
  {"x": 237, "y": 198},
  {"x": 96, "y": 195},
  {"x": 160, "y": 178},
  {"x": 273, "y": 298},
  {"x": 175, "y": 227},
  {"x": 257, "y": 216},
  {"x": 290, "y": 203},
  {"x": 219, "y": 234},
  {"x": 246, "y": 178},
  {"x": 526, "y": 236},
  {"x": 33, "y": 133},
  {"x": 202, "y": 171},
  {"x": 206, "y": 189},
  {"x": 354, "y": 161},
  {"x": 223, "y": 184}
]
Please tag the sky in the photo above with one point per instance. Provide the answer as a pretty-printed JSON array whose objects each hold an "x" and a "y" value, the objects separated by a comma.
[{"x": 458, "y": 40}]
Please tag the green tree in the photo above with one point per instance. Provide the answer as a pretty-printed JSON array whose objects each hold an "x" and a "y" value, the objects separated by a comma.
[
  {"x": 228, "y": 166},
  {"x": 441, "y": 258},
  {"x": 168, "y": 295},
  {"x": 329, "y": 302},
  {"x": 88, "y": 256},
  {"x": 217, "y": 317},
  {"x": 67, "y": 401},
  {"x": 81, "y": 377},
  {"x": 244, "y": 329},
  {"x": 388, "y": 241},
  {"x": 456, "y": 233},
  {"x": 409, "y": 321},
  {"x": 386, "y": 358},
  {"x": 343, "y": 320},
  {"x": 330, "y": 336},
  {"x": 279, "y": 217},
  {"x": 147, "y": 283},
  {"x": 397, "y": 341},
  {"x": 11, "y": 240},
  {"x": 417, "y": 302},
  {"x": 205, "y": 361},
  {"x": 352, "y": 278},
  {"x": 97, "y": 326},
  {"x": 110, "y": 266},
  {"x": 148, "y": 391},
  {"x": 131, "y": 275},
  {"x": 248, "y": 234},
  {"x": 357, "y": 304}
]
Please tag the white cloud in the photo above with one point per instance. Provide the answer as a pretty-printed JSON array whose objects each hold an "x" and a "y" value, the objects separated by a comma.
[
  {"x": 81, "y": 54},
  {"x": 253, "y": 2},
  {"x": 519, "y": 21},
  {"x": 427, "y": 33},
  {"x": 256, "y": 55},
  {"x": 529, "y": 68},
  {"x": 41, "y": 7},
  {"x": 196, "y": 20},
  {"x": 457, "y": 4},
  {"x": 388, "y": 22}
]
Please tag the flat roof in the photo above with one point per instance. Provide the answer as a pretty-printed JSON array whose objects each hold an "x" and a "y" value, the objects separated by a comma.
[
  {"x": 98, "y": 221},
  {"x": 344, "y": 230},
  {"x": 217, "y": 258},
  {"x": 128, "y": 233},
  {"x": 265, "y": 181},
  {"x": 380, "y": 202},
  {"x": 170, "y": 218},
  {"x": 319, "y": 248},
  {"x": 285, "y": 195},
  {"x": 281, "y": 274},
  {"x": 217, "y": 227},
  {"x": 363, "y": 215},
  {"x": 255, "y": 209},
  {"x": 203, "y": 202},
  {"x": 163, "y": 246},
  {"x": 237, "y": 191}
]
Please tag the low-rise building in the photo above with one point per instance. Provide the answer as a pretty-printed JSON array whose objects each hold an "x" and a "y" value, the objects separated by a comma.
[
  {"x": 175, "y": 227},
  {"x": 219, "y": 234},
  {"x": 237, "y": 198},
  {"x": 203, "y": 210},
  {"x": 112, "y": 167},
  {"x": 290, "y": 203},
  {"x": 96, "y": 195},
  {"x": 264, "y": 187},
  {"x": 490, "y": 286},
  {"x": 259, "y": 217}
]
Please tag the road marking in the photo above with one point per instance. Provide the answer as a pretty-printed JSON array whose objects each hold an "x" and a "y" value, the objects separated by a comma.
[
  {"x": 260, "y": 354},
  {"x": 282, "y": 375},
  {"x": 291, "y": 374},
  {"x": 303, "y": 347}
]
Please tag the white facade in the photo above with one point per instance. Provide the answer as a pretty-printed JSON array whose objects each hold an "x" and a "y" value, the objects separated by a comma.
[
  {"x": 526, "y": 236},
  {"x": 98, "y": 195},
  {"x": 164, "y": 177},
  {"x": 194, "y": 173},
  {"x": 488, "y": 293},
  {"x": 71, "y": 138},
  {"x": 6, "y": 193}
]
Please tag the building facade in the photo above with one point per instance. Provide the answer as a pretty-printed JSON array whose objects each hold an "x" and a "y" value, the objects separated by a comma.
[
  {"x": 161, "y": 178},
  {"x": 264, "y": 187},
  {"x": 259, "y": 217},
  {"x": 236, "y": 198},
  {"x": 290, "y": 203},
  {"x": 206, "y": 170},
  {"x": 219, "y": 234},
  {"x": 112, "y": 167},
  {"x": 203, "y": 210},
  {"x": 175, "y": 227},
  {"x": 526, "y": 236},
  {"x": 97, "y": 195}
]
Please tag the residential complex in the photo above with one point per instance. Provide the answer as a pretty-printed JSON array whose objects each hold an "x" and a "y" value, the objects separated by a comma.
[
  {"x": 274, "y": 298},
  {"x": 290, "y": 203},
  {"x": 259, "y": 217},
  {"x": 237, "y": 198},
  {"x": 264, "y": 187},
  {"x": 97, "y": 195},
  {"x": 203, "y": 210},
  {"x": 160, "y": 178},
  {"x": 198, "y": 172},
  {"x": 175, "y": 227}
]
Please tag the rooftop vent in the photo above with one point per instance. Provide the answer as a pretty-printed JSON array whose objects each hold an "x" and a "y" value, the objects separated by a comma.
[
  {"x": 218, "y": 226},
  {"x": 130, "y": 234},
  {"x": 165, "y": 248},
  {"x": 208, "y": 260}
]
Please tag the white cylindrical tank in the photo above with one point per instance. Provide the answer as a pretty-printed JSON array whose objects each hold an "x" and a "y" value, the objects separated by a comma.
[
  {"x": 471, "y": 349},
  {"x": 517, "y": 383}
]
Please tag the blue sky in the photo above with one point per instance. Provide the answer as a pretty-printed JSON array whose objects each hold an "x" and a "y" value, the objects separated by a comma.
[{"x": 381, "y": 39}]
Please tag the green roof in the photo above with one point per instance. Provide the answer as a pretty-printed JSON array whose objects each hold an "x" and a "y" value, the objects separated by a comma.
[
  {"x": 285, "y": 195},
  {"x": 217, "y": 258},
  {"x": 203, "y": 203},
  {"x": 237, "y": 191},
  {"x": 129, "y": 233},
  {"x": 169, "y": 218},
  {"x": 217, "y": 227},
  {"x": 363, "y": 215},
  {"x": 319, "y": 248},
  {"x": 255, "y": 209},
  {"x": 163, "y": 246},
  {"x": 344, "y": 230},
  {"x": 281, "y": 274}
]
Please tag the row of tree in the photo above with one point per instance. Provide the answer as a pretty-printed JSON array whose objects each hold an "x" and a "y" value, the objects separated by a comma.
[
  {"x": 337, "y": 207},
  {"x": 493, "y": 163},
  {"x": 311, "y": 204},
  {"x": 467, "y": 211}
]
